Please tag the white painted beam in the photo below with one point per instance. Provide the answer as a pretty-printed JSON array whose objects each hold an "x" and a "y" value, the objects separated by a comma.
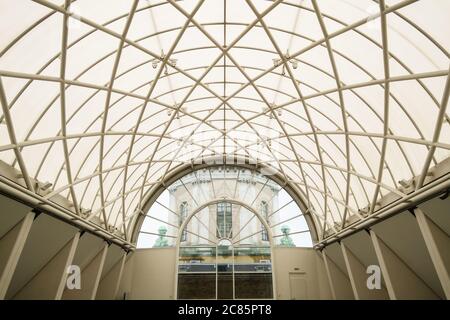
[
  {"x": 109, "y": 285},
  {"x": 90, "y": 278},
  {"x": 49, "y": 282},
  {"x": 438, "y": 244},
  {"x": 11, "y": 246},
  {"x": 358, "y": 277},
  {"x": 401, "y": 281},
  {"x": 339, "y": 282},
  {"x": 330, "y": 281}
]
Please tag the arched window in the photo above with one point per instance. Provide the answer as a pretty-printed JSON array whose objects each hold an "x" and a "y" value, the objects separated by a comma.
[
  {"x": 265, "y": 216},
  {"x": 224, "y": 220},
  {"x": 222, "y": 266},
  {"x": 183, "y": 216}
]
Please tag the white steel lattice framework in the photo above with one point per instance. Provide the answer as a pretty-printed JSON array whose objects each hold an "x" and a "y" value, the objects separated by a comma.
[{"x": 102, "y": 100}]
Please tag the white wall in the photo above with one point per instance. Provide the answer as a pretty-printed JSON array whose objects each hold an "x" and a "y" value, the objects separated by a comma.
[
  {"x": 150, "y": 273},
  {"x": 304, "y": 263}
]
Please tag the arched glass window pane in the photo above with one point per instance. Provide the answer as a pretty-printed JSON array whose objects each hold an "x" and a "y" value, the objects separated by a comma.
[
  {"x": 183, "y": 216},
  {"x": 225, "y": 220},
  {"x": 264, "y": 215}
]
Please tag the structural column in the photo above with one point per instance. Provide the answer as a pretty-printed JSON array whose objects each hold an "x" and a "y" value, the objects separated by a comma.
[
  {"x": 50, "y": 281},
  {"x": 358, "y": 277},
  {"x": 438, "y": 244},
  {"x": 339, "y": 283},
  {"x": 90, "y": 278},
  {"x": 71, "y": 254},
  {"x": 327, "y": 269},
  {"x": 109, "y": 285},
  {"x": 11, "y": 246},
  {"x": 401, "y": 281}
]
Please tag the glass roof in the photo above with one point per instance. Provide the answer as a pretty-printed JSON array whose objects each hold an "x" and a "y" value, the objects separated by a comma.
[{"x": 102, "y": 99}]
